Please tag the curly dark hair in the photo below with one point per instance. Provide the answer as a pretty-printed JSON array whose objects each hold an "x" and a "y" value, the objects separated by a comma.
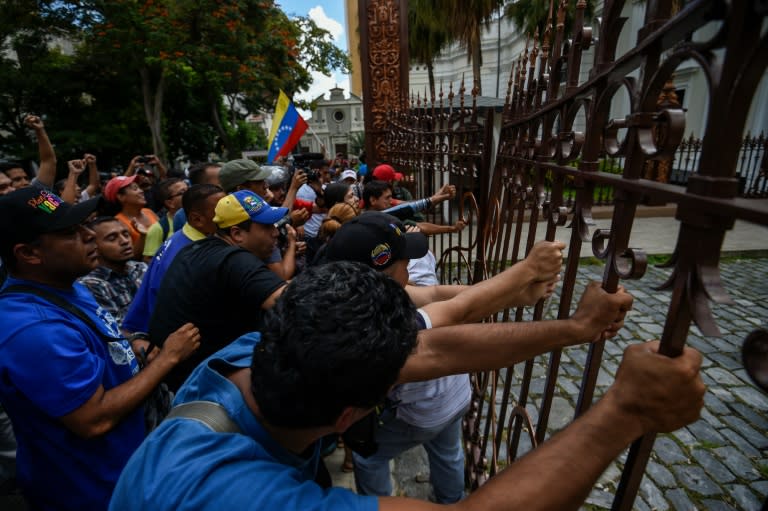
[{"x": 337, "y": 337}]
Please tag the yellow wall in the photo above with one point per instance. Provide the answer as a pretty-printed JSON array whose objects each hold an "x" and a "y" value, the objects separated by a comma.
[{"x": 353, "y": 43}]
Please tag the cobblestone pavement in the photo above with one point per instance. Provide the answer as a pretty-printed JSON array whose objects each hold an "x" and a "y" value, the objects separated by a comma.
[{"x": 719, "y": 462}]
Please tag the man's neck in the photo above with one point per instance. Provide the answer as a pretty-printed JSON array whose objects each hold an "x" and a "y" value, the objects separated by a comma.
[
  {"x": 120, "y": 267},
  {"x": 295, "y": 440},
  {"x": 65, "y": 284}
]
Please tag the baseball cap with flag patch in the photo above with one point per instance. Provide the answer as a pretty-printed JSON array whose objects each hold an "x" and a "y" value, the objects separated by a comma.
[
  {"x": 376, "y": 239},
  {"x": 29, "y": 212},
  {"x": 244, "y": 205}
]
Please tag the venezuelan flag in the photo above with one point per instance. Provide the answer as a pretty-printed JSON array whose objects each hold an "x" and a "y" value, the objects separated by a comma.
[{"x": 287, "y": 128}]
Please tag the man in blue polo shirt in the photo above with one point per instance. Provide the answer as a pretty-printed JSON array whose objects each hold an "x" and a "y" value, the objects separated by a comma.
[
  {"x": 68, "y": 380},
  {"x": 199, "y": 201}
]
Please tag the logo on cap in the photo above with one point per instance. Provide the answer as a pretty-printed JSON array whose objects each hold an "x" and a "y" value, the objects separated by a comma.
[
  {"x": 381, "y": 254},
  {"x": 252, "y": 204},
  {"x": 46, "y": 201},
  {"x": 396, "y": 229}
]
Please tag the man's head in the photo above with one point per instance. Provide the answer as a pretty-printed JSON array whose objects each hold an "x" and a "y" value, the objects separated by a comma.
[
  {"x": 244, "y": 174},
  {"x": 145, "y": 178},
  {"x": 384, "y": 172},
  {"x": 332, "y": 347},
  {"x": 199, "y": 204},
  {"x": 204, "y": 173},
  {"x": 17, "y": 175},
  {"x": 377, "y": 195},
  {"x": 349, "y": 176},
  {"x": 113, "y": 241},
  {"x": 170, "y": 192},
  {"x": 249, "y": 221},
  {"x": 277, "y": 183},
  {"x": 379, "y": 241},
  {"x": 46, "y": 240},
  {"x": 6, "y": 185}
]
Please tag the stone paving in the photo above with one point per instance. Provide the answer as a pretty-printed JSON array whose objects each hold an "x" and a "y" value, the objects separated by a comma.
[{"x": 719, "y": 462}]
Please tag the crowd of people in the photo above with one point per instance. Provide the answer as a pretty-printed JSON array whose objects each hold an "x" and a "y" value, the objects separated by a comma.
[{"x": 285, "y": 309}]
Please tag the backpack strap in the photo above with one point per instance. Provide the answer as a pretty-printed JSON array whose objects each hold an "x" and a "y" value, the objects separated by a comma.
[
  {"x": 208, "y": 413},
  {"x": 57, "y": 300},
  {"x": 164, "y": 224}
]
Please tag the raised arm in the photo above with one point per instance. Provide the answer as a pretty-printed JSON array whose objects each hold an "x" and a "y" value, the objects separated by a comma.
[
  {"x": 481, "y": 347},
  {"x": 69, "y": 193},
  {"x": 652, "y": 393},
  {"x": 46, "y": 174},
  {"x": 94, "y": 183},
  {"x": 298, "y": 179},
  {"x": 523, "y": 284}
]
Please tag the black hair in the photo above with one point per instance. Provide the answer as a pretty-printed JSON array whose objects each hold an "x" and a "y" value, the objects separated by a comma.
[
  {"x": 245, "y": 225},
  {"x": 338, "y": 336},
  {"x": 163, "y": 188},
  {"x": 101, "y": 220},
  {"x": 375, "y": 189},
  {"x": 334, "y": 193},
  {"x": 58, "y": 186},
  {"x": 196, "y": 172},
  {"x": 194, "y": 198}
]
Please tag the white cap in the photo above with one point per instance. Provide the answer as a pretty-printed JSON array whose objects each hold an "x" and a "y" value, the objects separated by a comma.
[{"x": 348, "y": 173}]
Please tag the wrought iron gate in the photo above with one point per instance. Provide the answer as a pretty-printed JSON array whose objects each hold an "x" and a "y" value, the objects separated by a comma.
[{"x": 506, "y": 190}]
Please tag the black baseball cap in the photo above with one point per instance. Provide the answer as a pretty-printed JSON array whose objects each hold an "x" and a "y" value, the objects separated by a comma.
[
  {"x": 376, "y": 239},
  {"x": 31, "y": 211}
]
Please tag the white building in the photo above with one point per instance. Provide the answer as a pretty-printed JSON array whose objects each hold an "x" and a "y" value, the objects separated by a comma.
[
  {"x": 336, "y": 123},
  {"x": 502, "y": 44}
]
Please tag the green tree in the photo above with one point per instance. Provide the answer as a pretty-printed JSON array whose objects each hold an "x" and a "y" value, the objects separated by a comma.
[
  {"x": 427, "y": 35},
  {"x": 531, "y": 16},
  {"x": 465, "y": 21}
]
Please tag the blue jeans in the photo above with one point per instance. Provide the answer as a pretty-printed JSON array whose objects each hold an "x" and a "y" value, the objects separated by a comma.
[{"x": 444, "y": 450}]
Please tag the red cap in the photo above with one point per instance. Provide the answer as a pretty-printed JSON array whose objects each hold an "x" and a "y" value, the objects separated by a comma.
[
  {"x": 115, "y": 185},
  {"x": 384, "y": 172},
  {"x": 399, "y": 176}
]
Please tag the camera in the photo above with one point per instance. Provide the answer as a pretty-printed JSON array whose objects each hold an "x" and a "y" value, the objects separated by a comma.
[
  {"x": 312, "y": 174},
  {"x": 143, "y": 159},
  {"x": 282, "y": 229}
]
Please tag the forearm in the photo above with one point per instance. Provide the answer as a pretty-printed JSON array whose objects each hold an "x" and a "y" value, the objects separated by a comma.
[
  {"x": 289, "y": 261},
  {"x": 423, "y": 295},
  {"x": 482, "y": 347},
  {"x": 68, "y": 193},
  {"x": 47, "y": 172},
  {"x": 94, "y": 183},
  {"x": 570, "y": 462},
  {"x": 477, "y": 302},
  {"x": 430, "y": 229},
  {"x": 107, "y": 408},
  {"x": 290, "y": 196}
]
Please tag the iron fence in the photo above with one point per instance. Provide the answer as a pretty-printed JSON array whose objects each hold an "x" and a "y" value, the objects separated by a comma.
[{"x": 540, "y": 172}]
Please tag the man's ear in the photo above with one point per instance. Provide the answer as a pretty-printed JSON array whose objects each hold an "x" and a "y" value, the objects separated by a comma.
[
  {"x": 349, "y": 416},
  {"x": 236, "y": 233},
  {"x": 28, "y": 253}
]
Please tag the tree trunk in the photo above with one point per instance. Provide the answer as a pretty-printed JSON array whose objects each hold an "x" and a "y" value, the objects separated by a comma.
[
  {"x": 477, "y": 61},
  {"x": 431, "y": 74},
  {"x": 153, "y": 110},
  {"x": 225, "y": 138}
]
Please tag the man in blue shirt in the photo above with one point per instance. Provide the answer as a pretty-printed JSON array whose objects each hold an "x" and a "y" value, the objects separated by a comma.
[
  {"x": 338, "y": 338},
  {"x": 200, "y": 201},
  {"x": 71, "y": 386}
]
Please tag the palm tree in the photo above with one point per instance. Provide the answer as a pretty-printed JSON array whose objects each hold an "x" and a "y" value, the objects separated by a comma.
[
  {"x": 427, "y": 35},
  {"x": 531, "y": 15},
  {"x": 466, "y": 20}
]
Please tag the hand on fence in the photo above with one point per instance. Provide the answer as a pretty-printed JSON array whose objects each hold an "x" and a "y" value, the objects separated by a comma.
[
  {"x": 600, "y": 314},
  {"x": 657, "y": 392}
]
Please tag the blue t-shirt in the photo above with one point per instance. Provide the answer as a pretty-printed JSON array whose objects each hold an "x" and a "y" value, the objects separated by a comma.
[
  {"x": 51, "y": 363},
  {"x": 184, "y": 465},
  {"x": 140, "y": 311}
]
